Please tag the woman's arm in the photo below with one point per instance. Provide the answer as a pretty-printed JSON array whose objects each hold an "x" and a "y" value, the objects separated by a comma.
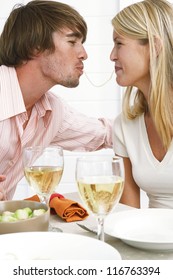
[{"x": 131, "y": 193}]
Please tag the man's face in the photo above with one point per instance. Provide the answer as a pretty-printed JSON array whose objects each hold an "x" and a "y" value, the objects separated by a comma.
[{"x": 65, "y": 65}]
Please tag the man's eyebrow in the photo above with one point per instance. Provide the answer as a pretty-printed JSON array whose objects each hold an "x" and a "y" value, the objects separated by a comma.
[{"x": 74, "y": 34}]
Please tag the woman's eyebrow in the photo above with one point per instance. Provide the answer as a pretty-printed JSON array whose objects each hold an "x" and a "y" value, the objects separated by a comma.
[{"x": 116, "y": 38}]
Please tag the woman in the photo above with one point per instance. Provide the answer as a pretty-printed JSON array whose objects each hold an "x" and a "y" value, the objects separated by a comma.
[{"x": 143, "y": 57}]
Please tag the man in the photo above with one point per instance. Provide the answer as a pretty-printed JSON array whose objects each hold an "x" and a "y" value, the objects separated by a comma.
[{"x": 42, "y": 46}]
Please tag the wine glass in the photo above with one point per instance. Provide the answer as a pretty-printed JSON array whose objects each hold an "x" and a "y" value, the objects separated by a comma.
[
  {"x": 100, "y": 181},
  {"x": 43, "y": 169}
]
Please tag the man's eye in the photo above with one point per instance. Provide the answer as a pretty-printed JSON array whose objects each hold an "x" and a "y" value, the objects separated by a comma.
[{"x": 72, "y": 42}]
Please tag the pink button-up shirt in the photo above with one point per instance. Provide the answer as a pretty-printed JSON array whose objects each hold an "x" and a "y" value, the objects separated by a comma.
[{"x": 52, "y": 121}]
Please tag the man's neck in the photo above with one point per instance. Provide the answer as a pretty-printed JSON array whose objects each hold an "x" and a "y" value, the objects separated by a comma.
[{"x": 32, "y": 84}]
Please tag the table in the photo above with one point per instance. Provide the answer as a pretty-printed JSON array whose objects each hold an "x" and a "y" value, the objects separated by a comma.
[{"x": 127, "y": 252}]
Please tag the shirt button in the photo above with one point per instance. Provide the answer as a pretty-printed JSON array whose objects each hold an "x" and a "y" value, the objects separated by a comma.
[{"x": 11, "y": 162}]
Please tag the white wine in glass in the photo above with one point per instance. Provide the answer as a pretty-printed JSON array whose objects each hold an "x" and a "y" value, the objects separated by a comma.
[
  {"x": 43, "y": 169},
  {"x": 100, "y": 183}
]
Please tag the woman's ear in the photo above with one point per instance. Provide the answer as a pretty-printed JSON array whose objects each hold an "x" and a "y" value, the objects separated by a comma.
[{"x": 158, "y": 45}]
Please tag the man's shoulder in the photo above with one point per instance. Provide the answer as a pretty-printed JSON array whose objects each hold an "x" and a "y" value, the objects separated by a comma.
[
  {"x": 55, "y": 100},
  {"x": 53, "y": 96}
]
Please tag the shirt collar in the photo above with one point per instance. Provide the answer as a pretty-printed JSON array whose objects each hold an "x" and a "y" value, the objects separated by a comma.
[{"x": 11, "y": 97}]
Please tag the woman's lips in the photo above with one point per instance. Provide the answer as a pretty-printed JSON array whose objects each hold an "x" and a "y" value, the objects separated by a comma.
[{"x": 117, "y": 68}]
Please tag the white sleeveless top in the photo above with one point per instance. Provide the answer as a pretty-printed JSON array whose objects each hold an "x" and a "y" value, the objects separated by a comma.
[{"x": 152, "y": 176}]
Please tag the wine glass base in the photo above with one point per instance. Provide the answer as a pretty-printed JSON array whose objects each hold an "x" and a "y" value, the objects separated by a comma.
[{"x": 54, "y": 229}]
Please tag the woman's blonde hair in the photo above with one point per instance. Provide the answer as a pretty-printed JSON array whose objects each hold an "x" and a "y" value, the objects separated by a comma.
[{"x": 151, "y": 22}]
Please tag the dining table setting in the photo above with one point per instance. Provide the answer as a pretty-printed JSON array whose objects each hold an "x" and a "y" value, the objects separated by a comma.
[
  {"x": 129, "y": 234},
  {"x": 89, "y": 223},
  {"x": 144, "y": 249}
]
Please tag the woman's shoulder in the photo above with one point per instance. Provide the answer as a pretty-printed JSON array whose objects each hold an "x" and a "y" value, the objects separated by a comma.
[
  {"x": 122, "y": 120},
  {"x": 124, "y": 127}
]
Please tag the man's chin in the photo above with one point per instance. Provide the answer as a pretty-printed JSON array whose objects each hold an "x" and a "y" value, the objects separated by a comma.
[{"x": 72, "y": 84}]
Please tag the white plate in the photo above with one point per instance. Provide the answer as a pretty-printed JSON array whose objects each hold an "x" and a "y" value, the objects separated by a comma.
[
  {"x": 150, "y": 229},
  {"x": 54, "y": 246}
]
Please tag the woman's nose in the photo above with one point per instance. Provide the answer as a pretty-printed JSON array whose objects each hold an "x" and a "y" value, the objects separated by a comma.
[{"x": 113, "y": 55}]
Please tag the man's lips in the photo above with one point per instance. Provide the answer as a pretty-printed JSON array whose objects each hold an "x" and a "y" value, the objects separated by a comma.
[{"x": 80, "y": 69}]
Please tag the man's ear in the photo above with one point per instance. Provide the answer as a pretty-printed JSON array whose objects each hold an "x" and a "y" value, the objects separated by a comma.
[{"x": 36, "y": 52}]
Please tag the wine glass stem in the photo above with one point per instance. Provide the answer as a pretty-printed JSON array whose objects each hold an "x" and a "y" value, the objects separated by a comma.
[
  {"x": 100, "y": 230},
  {"x": 44, "y": 199}
]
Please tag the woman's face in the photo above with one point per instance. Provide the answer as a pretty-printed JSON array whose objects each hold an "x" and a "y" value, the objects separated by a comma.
[{"x": 131, "y": 62}]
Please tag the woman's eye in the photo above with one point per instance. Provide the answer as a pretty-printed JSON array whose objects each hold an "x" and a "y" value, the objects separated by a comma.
[{"x": 118, "y": 45}]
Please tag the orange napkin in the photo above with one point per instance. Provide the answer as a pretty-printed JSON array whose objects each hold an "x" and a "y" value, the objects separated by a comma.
[{"x": 67, "y": 209}]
